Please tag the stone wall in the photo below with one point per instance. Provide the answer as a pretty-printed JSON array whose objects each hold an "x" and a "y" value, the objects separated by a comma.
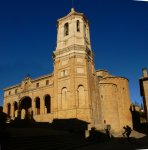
[{"x": 115, "y": 102}]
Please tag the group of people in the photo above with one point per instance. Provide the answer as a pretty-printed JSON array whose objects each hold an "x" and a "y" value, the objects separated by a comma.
[{"x": 126, "y": 133}]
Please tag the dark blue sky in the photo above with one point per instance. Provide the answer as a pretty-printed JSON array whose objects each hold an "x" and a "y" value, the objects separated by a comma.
[{"x": 119, "y": 37}]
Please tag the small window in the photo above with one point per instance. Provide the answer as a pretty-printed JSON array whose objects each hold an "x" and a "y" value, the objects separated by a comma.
[
  {"x": 47, "y": 82},
  {"x": 78, "y": 26},
  {"x": 37, "y": 85},
  {"x": 26, "y": 86},
  {"x": 9, "y": 92},
  {"x": 15, "y": 91},
  {"x": 66, "y": 29},
  {"x": 64, "y": 73}
]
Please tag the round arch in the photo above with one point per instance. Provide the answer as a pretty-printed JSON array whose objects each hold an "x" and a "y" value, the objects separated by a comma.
[
  {"x": 81, "y": 96},
  {"x": 64, "y": 98},
  {"x": 25, "y": 106},
  {"x": 37, "y": 105},
  {"x": 80, "y": 85},
  {"x": 15, "y": 109},
  {"x": 47, "y": 100}
]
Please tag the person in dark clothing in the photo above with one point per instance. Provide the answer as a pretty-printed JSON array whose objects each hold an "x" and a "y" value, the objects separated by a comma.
[{"x": 127, "y": 131}]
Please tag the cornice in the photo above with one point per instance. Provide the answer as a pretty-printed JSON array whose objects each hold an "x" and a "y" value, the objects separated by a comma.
[
  {"x": 143, "y": 78},
  {"x": 73, "y": 47},
  {"x": 113, "y": 77},
  {"x": 42, "y": 77},
  {"x": 12, "y": 87},
  {"x": 108, "y": 84},
  {"x": 73, "y": 13},
  {"x": 31, "y": 80}
]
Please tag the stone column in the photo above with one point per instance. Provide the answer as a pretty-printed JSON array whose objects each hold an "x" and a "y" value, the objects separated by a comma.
[
  {"x": 42, "y": 106},
  {"x": 12, "y": 111},
  {"x": 33, "y": 107},
  {"x": 5, "y": 109},
  {"x": 45, "y": 110},
  {"x": 51, "y": 104}
]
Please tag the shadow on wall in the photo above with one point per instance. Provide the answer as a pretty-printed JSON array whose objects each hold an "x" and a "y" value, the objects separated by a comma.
[
  {"x": 138, "y": 117},
  {"x": 28, "y": 121},
  {"x": 135, "y": 117},
  {"x": 71, "y": 125}
]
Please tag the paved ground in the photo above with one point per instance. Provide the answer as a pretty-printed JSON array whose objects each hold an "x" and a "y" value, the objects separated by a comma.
[
  {"x": 137, "y": 140},
  {"x": 118, "y": 144}
]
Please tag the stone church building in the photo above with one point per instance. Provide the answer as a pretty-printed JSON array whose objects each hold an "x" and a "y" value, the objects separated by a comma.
[{"x": 75, "y": 89}]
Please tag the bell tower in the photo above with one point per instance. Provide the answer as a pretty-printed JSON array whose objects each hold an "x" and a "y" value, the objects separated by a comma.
[
  {"x": 73, "y": 29},
  {"x": 74, "y": 73}
]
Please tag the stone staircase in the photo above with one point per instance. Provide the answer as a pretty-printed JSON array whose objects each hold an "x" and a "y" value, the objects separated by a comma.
[{"x": 64, "y": 141}]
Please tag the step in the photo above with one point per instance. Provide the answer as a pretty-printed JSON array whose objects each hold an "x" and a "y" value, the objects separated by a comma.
[{"x": 47, "y": 142}]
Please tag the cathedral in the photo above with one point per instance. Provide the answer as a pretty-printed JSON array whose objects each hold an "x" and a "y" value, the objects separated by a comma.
[{"x": 75, "y": 89}]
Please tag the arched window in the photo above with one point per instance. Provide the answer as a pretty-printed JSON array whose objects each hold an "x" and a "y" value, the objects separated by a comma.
[
  {"x": 66, "y": 29},
  {"x": 78, "y": 26},
  {"x": 37, "y": 104},
  {"x": 64, "y": 102},
  {"x": 47, "y": 82},
  {"x": 26, "y": 85},
  {"x": 47, "y": 104},
  {"x": 37, "y": 85},
  {"x": 15, "y": 91},
  {"x": 81, "y": 96}
]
